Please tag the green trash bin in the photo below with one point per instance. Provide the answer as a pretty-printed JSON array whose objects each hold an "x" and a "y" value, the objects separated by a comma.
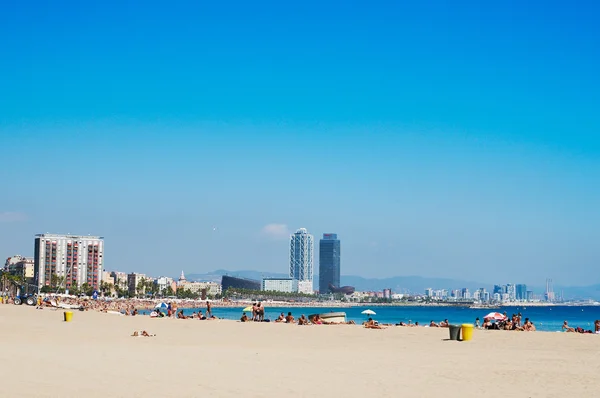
[{"x": 455, "y": 332}]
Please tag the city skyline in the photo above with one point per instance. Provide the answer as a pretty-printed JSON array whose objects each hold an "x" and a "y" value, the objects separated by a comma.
[
  {"x": 431, "y": 150},
  {"x": 301, "y": 231}
]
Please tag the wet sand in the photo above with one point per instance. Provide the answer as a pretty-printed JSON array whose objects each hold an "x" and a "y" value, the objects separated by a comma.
[{"x": 94, "y": 356}]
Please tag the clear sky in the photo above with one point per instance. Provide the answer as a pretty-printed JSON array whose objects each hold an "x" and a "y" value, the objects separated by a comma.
[{"x": 437, "y": 138}]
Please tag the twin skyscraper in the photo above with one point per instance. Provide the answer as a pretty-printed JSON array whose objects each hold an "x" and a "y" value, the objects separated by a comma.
[{"x": 302, "y": 264}]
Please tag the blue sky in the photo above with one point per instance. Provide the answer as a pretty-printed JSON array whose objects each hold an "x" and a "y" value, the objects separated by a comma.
[{"x": 437, "y": 139}]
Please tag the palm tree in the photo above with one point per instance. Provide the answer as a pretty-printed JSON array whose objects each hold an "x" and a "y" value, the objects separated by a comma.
[{"x": 141, "y": 286}]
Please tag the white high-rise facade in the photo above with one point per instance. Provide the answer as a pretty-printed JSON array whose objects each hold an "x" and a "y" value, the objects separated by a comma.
[
  {"x": 301, "y": 260},
  {"x": 75, "y": 260}
]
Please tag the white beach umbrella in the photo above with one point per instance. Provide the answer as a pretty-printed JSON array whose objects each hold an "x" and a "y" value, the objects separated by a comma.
[{"x": 368, "y": 312}]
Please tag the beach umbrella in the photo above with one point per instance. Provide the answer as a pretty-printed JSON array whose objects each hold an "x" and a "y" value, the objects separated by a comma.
[
  {"x": 368, "y": 312},
  {"x": 248, "y": 308},
  {"x": 494, "y": 316},
  {"x": 161, "y": 305}
]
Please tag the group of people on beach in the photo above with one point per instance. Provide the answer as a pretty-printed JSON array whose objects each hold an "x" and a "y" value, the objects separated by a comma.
[
  {"x": 570, "y": 329},
  {"x": 515, "y": 323}
]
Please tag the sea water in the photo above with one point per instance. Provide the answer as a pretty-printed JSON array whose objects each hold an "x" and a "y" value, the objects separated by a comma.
[{"x": 545, "y": 318}]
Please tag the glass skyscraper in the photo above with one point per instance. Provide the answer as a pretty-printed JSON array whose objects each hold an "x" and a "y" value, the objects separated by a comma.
[
  {"x": 301, "y": 259},
  {"x": 521, "y": 292},
  {"x": 329, "y": 262}
]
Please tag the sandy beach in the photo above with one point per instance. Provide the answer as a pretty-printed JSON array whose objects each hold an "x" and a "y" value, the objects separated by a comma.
[{"x": 95, "y": 356}]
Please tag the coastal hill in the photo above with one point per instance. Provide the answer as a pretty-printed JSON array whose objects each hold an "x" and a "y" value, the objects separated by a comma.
[{"x": 404, "y": 284}]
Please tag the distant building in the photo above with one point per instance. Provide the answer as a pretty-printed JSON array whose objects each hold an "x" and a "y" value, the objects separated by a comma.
[
  {"x": 498, "y": 289},
  {"x": 120, "y": 279},
  {"x": 21, "y": 266},
  {"x": 521, "y": 292},
  {"x": 529, "y": 295},
  {"x": 163, "y": 282},
  {"x": 301, "y": 259},
  {"x": 108, "y": 278},
  {"x": 209, "y": 288},
  {"x": 285, "y": 285},
  {"x": 549, "y": 295},
  {"x": 133, "y": 280},
  {"x": 329, "y": 263},
  {"x": 429, "y": 292},
  {"x": 387, "y": 293},
  {"x": 239, "y": 283},
  {"x": 305, "y": 287},
  {"x": 77, "y": 259},
  {"x": 465, "y": 294},
  {"x": 511, "y": 291}
]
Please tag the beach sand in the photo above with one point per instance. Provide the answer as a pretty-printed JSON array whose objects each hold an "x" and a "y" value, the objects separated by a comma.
[{"x": 94, "y": 356}]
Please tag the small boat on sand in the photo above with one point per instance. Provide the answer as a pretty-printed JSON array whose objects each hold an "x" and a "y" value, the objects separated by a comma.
[{"x": 330, "y": 317}]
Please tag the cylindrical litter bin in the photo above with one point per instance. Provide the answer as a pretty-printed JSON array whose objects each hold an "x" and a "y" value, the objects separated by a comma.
[
  {"x": 454, "y": 332},
  {"x": 68, "y": 316},
  {"x": 467, "y": 331}
]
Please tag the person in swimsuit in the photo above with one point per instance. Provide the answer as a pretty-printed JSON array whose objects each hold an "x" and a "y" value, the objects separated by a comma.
[
  {"x": 244, "y": 318},
  {"x": 371, "y": 324},
  {"x": 260, "y": 312},
  {"x": 208, "y": 309},
  {"x": 567, "y": 328},
  {"x": 289, "y": 318},
  {"x": 432, "y": 324}
]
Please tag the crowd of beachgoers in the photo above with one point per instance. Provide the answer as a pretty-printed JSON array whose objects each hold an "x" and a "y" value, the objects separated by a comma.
[{"x": 256, "y": 313}]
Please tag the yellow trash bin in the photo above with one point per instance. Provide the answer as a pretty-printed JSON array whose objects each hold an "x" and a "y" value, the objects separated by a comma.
[
  {"x": 68, "y": 316},
  {"x": 467, "y": 331}
]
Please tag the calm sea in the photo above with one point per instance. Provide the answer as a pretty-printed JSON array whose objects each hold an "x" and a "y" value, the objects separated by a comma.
[{"x": 545, "y": 318}]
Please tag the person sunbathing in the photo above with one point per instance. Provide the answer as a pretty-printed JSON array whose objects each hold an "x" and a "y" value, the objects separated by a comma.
[
  {"x": 371, "y": 324},
  {"x": 281, "y": 318},
  {"x": 244, "y": 318},
  {"x": 432, "y": 324},
  {"x": 317, "y": 320},
  {"x": 444, "y": 323},
  {"x": 302, "y": 320},
  {"x": 567, "y": 328},
  {"x": 143, "y": 333}
]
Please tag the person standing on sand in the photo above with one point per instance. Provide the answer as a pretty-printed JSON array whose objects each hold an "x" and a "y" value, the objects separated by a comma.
[
  {"x": 208, "y": 309},
  {"x": 260, "y": 312}
]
